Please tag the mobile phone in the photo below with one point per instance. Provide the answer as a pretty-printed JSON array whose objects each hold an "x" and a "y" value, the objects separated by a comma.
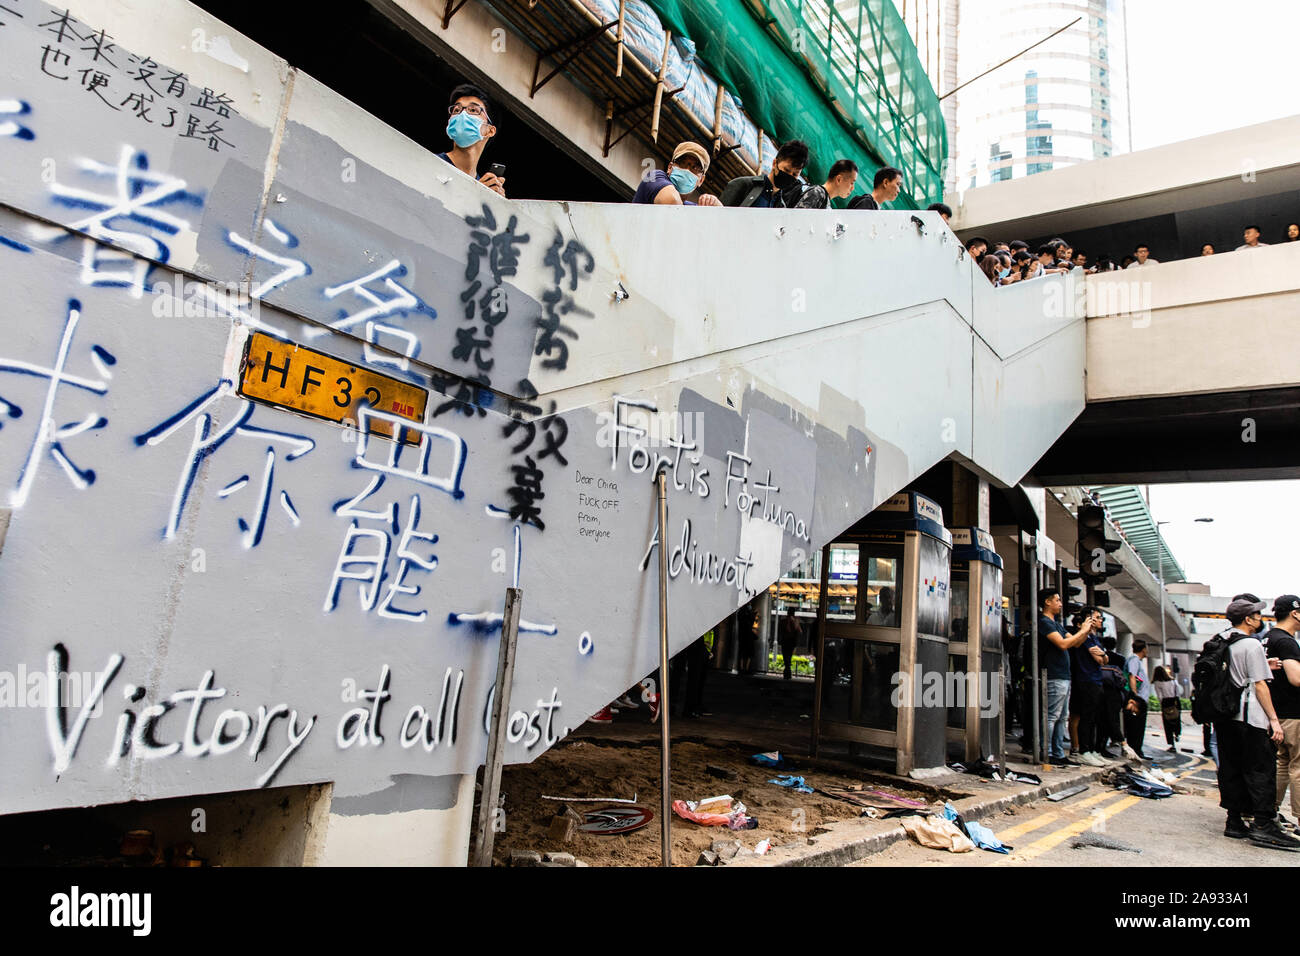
[{"x": 498, "y": 170}]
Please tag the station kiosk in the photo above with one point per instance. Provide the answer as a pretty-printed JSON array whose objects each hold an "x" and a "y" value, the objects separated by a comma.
[
  {"x": 872, "y": 652},
  {"x": 975, "y": 718}
]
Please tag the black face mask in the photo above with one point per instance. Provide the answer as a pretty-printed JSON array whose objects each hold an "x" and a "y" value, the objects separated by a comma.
[{"x": 783, "y": 180}]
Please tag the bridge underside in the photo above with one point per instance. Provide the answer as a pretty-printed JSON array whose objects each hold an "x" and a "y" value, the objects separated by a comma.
[{"x": 1219, "y": 436}]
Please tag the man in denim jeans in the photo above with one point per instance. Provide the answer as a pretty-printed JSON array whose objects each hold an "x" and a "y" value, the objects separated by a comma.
[{"x": 1054, "y": 655}]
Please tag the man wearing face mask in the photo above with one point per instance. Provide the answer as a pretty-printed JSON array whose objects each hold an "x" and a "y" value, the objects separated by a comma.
[
  {"x": 683, "y": 177},
  {"x": 1247, "y": 751},
  {"x": 779, "y": 188},
  {"x": 469, "y": 129}
]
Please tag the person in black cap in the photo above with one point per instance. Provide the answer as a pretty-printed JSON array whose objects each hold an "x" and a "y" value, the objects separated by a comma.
[
  {"x": 1247, "y": 755},
  {"x": 1284, "y": 660}
]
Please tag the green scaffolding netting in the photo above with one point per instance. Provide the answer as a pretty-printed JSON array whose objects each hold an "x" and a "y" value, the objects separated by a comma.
[{"x": 842, "y": 75}]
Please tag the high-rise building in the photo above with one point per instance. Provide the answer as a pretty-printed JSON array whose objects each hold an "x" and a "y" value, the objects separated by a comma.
[{"x": 1063, "y": 102}]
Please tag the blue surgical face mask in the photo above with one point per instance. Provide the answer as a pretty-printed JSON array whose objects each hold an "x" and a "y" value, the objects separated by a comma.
[
  {"x": 1003, "y": 273},
  {"x": 683, "y": 180},
  {"x": 465, "y": 130}
]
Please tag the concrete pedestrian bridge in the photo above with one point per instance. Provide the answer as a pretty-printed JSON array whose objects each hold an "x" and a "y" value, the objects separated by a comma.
[{"x": 288, "y": 402}]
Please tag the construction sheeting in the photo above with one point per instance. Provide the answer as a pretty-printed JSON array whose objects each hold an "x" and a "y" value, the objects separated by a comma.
[{"x": 643, "y": 38}]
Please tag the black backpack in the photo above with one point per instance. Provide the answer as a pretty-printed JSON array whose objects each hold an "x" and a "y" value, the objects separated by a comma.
[{"x": 1216, "y": 697}]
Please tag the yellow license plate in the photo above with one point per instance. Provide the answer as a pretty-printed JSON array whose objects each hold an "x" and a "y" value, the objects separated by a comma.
[{"x": 304, "y": 380}]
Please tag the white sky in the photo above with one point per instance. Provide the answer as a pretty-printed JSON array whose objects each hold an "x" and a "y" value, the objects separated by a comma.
[
  {"x": 1203, "y": 66},
  {"x": 1198, "y": 67}
]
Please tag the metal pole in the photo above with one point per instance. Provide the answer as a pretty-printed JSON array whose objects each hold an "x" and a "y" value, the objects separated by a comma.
[
  {"x": 1160, "y": 564},
  {"x": 500, "y": 718},
  {"x": 665, "y": 810},
  {"x": 1037, "y": 729}
]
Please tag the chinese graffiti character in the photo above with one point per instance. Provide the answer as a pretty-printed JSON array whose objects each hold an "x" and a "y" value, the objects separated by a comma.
[
  {"x": 211, "y": 133},
  {"x": 205, "y": 443},
  {"x": 9, "y": 127},
  {"x": 48, "y": 437},
  {"x": 218, "y": 103},
  {"x": 383, "y": 307},
  {"x": 99, "y": 47},
  {"x": 489, "y": 622},
  {"x": 368, "y": 567},
  {"x": 128, "y": 214}
]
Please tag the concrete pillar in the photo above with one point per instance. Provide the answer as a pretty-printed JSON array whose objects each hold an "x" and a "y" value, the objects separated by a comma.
[
  {"x": 764, "y": 631},
  {"x": 970, "y": 499},
  {"x": 418, "y": 821}
]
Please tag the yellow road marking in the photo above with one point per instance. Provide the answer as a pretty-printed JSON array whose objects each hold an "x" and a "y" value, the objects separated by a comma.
[
  {"x": 1011, "y": 833},
  {"x": 1042, "y": 845}
]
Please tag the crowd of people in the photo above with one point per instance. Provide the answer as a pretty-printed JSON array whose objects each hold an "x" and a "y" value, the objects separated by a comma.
[
  {"x": 1007, "y": 262},
  {"x": 782, "y": 187},
  {"x": 1100, "y": 699}
]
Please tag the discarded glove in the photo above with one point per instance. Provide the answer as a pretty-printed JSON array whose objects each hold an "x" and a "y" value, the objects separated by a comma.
[{"x": 794, "y": 783}]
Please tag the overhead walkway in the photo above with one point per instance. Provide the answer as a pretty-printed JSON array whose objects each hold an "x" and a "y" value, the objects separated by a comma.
[
  {"x": 1191, "y": 373},
  {"x": 203, "y": 499}
]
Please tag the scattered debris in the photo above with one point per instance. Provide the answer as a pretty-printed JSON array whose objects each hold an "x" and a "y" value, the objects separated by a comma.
[
  {"x": 728, "y": 849},
  {"x": 707, "y": 858},
  {"x": 989, "y": 770},
  {"x": 721, "y": 813},
  {"x": 525, "y": 858},
  {"x": 619, "y": 819},
  {"x": 937, "y": 833},
  {"x": 722, "y": 773},
  {"x": 763, "y": 847},
  {"x": 563, "y": 828},
  {"x": 877, "y": 800},
  {"x": 1101, "y": 842},
  {"x": 559, "y": 859},
  {"x": 592, "y": 799},
  {"x": 772, "y": 759},
  {"x": 793, "y": 783},
  {"x": 1067, "y": 793}
]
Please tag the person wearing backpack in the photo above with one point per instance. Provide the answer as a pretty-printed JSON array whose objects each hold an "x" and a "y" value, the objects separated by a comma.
[{"x": 1248, "y": 728}]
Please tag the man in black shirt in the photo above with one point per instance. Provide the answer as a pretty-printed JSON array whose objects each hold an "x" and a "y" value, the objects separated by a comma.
[
  {"x": 1284, "y": 660},
  {"x": 778, "y": 188},
  {"x": 885, "y": 187},
  {"x": 1054, "y": 657}
]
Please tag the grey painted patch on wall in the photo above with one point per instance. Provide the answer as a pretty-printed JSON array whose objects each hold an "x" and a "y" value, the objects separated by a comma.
[{"x": 409, "y": 791}]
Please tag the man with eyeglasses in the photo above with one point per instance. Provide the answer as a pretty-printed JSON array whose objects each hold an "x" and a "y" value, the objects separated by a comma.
[{"x": 469, "y": 129}]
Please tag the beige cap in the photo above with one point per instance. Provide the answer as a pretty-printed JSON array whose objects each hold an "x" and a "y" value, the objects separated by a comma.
[{"x": 693, "y": 149}]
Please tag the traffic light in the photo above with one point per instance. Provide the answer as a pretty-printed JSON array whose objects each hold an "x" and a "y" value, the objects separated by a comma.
[
  {"x": 1093, "y": 545},
  {"x": 1101, "y": 599},
  {"x": 1072, "y": 591}
]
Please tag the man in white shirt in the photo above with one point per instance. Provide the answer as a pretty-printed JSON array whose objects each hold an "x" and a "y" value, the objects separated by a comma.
[
  {"x": 1143, "y": 257},
  {"x": 1247, "y": 751},
  {"x": 1251, "y": 235}
]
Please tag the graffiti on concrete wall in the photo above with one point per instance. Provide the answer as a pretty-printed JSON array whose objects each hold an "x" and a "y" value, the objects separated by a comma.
[{"x": 259, "y": 449}]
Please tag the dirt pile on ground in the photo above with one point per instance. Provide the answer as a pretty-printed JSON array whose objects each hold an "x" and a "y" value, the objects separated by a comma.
[{"x": 586, "y": 768}]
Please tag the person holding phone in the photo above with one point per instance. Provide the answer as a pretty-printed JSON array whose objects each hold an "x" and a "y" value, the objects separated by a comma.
[{"x": 469, "y": 127}]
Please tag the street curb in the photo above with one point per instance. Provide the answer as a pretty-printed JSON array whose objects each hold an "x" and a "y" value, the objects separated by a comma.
[{"x": 845, "y": 842}]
